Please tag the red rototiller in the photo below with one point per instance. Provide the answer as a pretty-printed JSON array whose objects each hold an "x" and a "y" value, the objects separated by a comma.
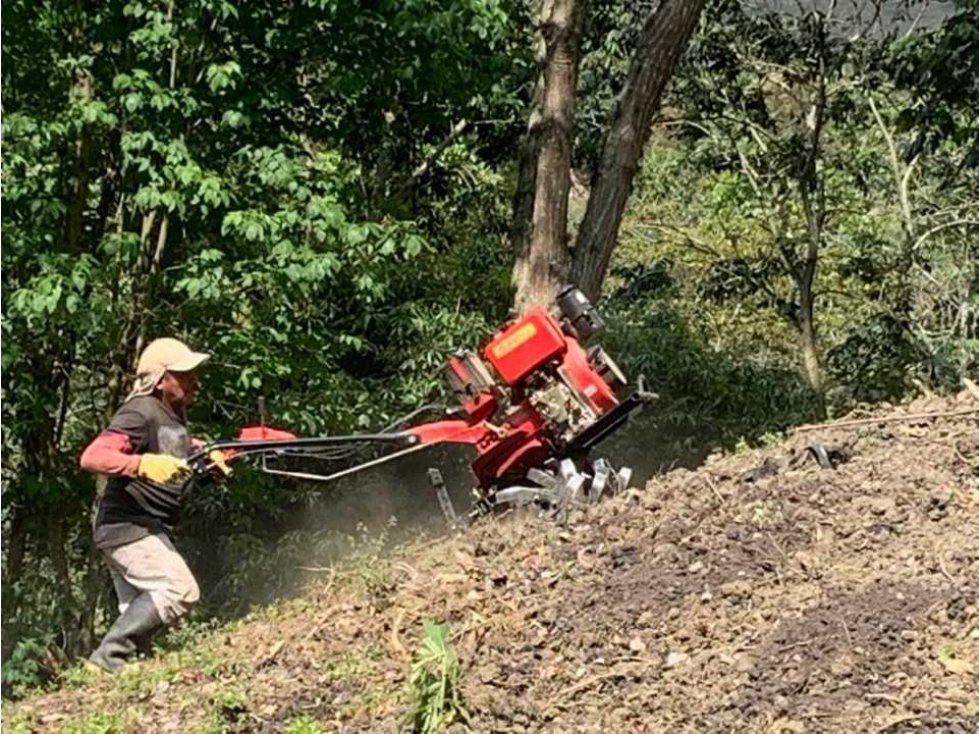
[{"x": 531, "y": 404}]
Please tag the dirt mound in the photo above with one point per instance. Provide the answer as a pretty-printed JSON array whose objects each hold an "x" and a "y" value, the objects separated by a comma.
[{"x": 761, "y": 592}]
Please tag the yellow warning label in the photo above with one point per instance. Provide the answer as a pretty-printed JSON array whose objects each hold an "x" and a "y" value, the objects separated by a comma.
[{"x": 514, "y": 340}]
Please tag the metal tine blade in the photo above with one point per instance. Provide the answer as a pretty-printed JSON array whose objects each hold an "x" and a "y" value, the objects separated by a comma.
[
  {"x": 542, "y": 478},
  {"x": 567, "y": 469},
  {"x": 622, "y": 479},
  {"x": 573, "y": 487},
  {"x": 523, "y": 495},
  {"x": 598, "y": 483}
]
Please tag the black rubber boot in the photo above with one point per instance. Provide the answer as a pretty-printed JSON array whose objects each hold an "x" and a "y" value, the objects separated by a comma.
[{"x": 130, "y": 632}]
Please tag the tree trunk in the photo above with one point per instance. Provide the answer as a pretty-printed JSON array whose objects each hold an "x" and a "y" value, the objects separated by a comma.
[
  {"x": 542, "y": 265},
  {"x": 15, "y": 540},
  {"x": 811, "y": 359},
  {"x": 812, "y": 195},
  {"x": 805, "y": 274},
  {"x": 901, "y": 300},
  {"x": 78, "y": 197},
  {"x": 96, "y": 584},
  {"x": 664, "y": 38},
  {"x": 57, "y": 547},
  {"x": 526, "y": 188}
]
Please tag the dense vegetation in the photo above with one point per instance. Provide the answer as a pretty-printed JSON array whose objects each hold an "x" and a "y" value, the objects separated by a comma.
[{"x": 319, "y": 193}]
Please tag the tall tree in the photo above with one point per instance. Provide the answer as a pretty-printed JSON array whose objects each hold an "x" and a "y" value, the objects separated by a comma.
[
  {"x": 665, "y": 35},
  {"x": 542, "y": 261},
  {"x": 543, "y": 258}
]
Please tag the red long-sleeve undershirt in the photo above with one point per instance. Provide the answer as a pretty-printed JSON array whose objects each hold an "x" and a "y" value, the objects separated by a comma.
[{"x": 110, "y": 453}]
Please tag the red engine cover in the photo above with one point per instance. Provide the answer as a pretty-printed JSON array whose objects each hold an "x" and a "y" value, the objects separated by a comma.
[
  {"x": 525, "y": 345},
  {"x": 510, "y": 443},
  {"x": 586, "y": 381}
]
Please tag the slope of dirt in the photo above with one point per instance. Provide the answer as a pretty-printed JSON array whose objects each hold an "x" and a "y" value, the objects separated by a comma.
[{"x": 760, "y": 593}]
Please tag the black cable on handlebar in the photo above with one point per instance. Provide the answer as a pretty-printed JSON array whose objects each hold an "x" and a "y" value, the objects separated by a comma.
[{"x": 298, "y": 444}]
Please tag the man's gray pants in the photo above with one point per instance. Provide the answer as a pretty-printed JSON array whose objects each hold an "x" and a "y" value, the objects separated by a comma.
[{"x": 153, "y": 565}]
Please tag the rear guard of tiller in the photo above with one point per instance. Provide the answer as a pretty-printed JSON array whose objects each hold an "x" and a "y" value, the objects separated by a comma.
[{"x": 531, "y": 411}]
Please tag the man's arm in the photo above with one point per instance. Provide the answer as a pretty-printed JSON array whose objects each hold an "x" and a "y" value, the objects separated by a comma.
[
  {"x": 110, "y": 453},
  {"x": 116, "y": 451}
]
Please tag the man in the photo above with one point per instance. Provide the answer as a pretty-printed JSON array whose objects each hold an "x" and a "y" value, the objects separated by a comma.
[{"x": 143, "y": 451}]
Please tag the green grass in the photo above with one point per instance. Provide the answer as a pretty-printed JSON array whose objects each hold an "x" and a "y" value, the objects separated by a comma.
[
  {"x": 76, "y": 676},
  {"x": 227, "y": 706},
  {"x": 97, "y": 722},
  {"x": 351, "y": 665},
  {"x": 19, "y": 724},
  {"x": 303, "y": 725},
  {"x": 433, "y": 686},
  {"x": 760, "y": 515},
  {"x": 194, "y": 651}
]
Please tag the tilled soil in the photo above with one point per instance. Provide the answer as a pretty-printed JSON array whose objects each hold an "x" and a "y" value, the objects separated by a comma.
[{"x": 759, "y": 593}]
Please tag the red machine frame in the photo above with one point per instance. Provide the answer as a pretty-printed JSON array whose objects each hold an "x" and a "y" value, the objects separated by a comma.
[{"x": 535, "y": 395}]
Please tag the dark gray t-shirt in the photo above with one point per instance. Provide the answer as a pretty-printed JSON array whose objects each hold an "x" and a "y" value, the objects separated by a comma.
[{"x": 133, "y": 508}]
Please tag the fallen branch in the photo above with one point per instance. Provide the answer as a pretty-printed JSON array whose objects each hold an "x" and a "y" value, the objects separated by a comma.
[
  {"x": 887, "y": 419},
  {"x": 586, "y": 683},
  {"x": 945, "y": 573},
  {"x": 713, "y": 488},
  {"x": 394, "y": 638},
  {"x": 806, "y": 643},
  {"x": 885, "y": 697},
  {"x": 897, "y": 720},
  {"x": 559, "y": 700}
]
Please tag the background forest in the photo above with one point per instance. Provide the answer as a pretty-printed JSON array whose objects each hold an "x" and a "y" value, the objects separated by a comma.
[{"x": 323, "y": 194}]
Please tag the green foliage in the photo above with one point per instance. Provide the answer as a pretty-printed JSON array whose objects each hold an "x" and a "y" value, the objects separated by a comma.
[
  {"x": 77, "y": 675},
  {"x": 939, "y": 68},
  {"x": 718, "y": 267},
  {"x": 303, "y": 725},
  {"x": 269, "y": 182},
  {"x": 612, "y": 28},
  {"x": 351, "y": 665},
  {"x": 228, "y": 705},
  {"x": 872, "y": 359},
  {"x": 21, "y": 671},
  {"x": 191, "y": 632},
  {"x": 726, "y": 394},
  {"x": 100, "y": 722},
  {"x": 433, "y": 686}
]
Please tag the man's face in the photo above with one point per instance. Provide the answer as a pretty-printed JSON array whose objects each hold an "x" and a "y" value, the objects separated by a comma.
[{"x": 179, "y": 387}]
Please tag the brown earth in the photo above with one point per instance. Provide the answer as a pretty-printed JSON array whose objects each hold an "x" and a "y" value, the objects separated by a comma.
[{"x": 788, "y": 599}]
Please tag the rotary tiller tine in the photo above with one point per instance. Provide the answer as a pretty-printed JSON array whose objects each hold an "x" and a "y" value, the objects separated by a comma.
[
  {"x": 602, "y": 473},
  {"x": 622, "y": 479},
  {"x": 523, "y": 495},
  {"x": 567, "y": 469},
  {"x": 542, "y": 478},
  {"x": 573, "y": 488}
]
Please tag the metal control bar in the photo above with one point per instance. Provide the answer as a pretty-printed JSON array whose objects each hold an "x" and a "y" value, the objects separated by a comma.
[
  {"x": 301, "y": 445},
  {"x": 293, "y": 446}
]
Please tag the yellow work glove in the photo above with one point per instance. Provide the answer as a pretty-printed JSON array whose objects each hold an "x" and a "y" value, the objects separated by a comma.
[
  {"x": 219, "y": 460},
  {"x": 161, "y": 468}
]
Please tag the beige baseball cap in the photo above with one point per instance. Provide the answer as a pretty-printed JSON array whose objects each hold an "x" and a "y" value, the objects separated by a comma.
[{"x": 169, "y": 355}]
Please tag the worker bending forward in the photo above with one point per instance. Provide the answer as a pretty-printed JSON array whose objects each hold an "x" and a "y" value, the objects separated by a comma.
[{"x": 143, "y": 451}]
